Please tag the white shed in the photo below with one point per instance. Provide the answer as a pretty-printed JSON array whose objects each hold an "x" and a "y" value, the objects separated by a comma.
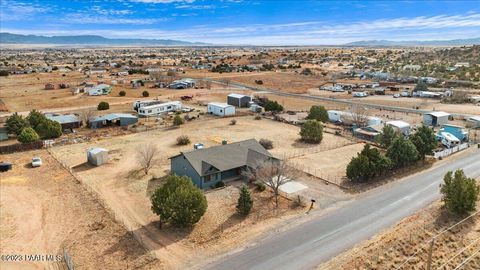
[
  {"x": 400, "y": 126},
  {"x": 220, "y": 109},
  {"x": 97, "y": 156}
]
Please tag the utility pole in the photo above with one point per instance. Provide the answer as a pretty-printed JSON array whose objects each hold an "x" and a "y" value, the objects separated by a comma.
[{"x": 430, "y": 251}]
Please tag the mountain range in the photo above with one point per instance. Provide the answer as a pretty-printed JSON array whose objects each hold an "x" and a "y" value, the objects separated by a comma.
[
  {"x": 8, "y": 38},
  {"x": 451, "y": 42}
]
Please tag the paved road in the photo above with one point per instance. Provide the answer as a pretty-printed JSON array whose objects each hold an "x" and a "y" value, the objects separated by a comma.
[
  {"x": 341, "y": 101},
  {"x": 314, "y": 242}
]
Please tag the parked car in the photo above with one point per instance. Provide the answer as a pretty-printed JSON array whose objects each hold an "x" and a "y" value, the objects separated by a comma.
[
  {"x": 5, "y": 166},
  {"x": 396, "y": 96},
  {"x": 36, "y": 162}
]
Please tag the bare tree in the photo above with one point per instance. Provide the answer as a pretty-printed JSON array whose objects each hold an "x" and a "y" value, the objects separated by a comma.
[
  {"x": 359, "y": 115},
  {"x": 226, "y": 81},
  {"x": 147, "y": 156},
  {"x": 85, "y": 116},
  {"x": 273, "y": 173}
]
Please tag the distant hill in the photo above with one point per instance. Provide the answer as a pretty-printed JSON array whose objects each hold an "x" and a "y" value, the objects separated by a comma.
[
  {"x": 8, "y": 38},
  {"x": 452, "y": 42}
]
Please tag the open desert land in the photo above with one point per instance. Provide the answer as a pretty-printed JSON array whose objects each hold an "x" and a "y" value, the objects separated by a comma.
[
  {"x": 44, "y": 209},
  {"x": 126, "y": 190}
]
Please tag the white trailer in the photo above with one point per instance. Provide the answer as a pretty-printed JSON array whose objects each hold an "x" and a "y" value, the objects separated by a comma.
[
  {"x": 158, "y": 109},
  {"x": 449, "y": 140},
  {"x": 220, "y": 109},
  {"x": 143, "y": 103}
]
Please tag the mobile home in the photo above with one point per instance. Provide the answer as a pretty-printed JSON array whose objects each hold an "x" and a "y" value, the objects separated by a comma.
[{"x": 158, "y": 109}]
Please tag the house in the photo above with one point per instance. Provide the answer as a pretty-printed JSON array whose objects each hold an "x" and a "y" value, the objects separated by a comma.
[
  {"x": 158, "y": 109},
  {"x": 49, "y": 86},
  {"x": 208, "y": 166},
  {"x": 473, "y": 122},
  {"x": 113, "y": 119},
  {"x": 435, "y": 118},
  {"x": 238, "y": 100},
  {"x": 68, "y": 121},
  {"x": 3, "y": 133},
  {"x": 220, "y": 109},
  {"x": 97, "y": 156},
  {"x": 98, "y": 90},
  {"x": 400, "y": 126},
  {"x": 457, "y": 131},
  {"x": 182, "y": 84},
  {"x": 369, "y": 132}
]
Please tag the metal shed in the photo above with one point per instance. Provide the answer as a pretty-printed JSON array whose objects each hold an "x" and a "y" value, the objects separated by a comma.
[
  {"x": 435, "y": 118},
  {"x": 238, "y": 100},
  {"x": 220, "y": 109},
  {"x": 113, "y": 119},
  {"x": 68, "y": 121},
  {"x": 97, "y": 156}
]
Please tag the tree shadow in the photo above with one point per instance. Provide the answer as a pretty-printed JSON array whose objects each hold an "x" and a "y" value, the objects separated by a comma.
[
  {"x": 231, "y": 221},
  {"x": 301, "y": 144},
  {"x": 155, "y": 183},
  {"x": 446, "y": 219}
]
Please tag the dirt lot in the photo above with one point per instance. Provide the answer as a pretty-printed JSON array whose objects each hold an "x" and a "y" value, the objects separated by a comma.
[
  {"x": 126, "y": 189},
  {"x": 391, "y": 249},
  {"x": 44, "y": 209}
]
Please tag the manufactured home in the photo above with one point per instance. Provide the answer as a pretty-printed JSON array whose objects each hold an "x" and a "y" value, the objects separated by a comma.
[
  {"x": 143, "y": 103},
  {"x": 158, "y": 109},
  {"x": 98, "y": 90},
  {"x": 220, "y": 109}
]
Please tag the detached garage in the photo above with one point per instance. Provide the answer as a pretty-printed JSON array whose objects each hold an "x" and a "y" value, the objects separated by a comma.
[
  {"x": 238, "y": 100},
  {"x": 220, "y": 109}
]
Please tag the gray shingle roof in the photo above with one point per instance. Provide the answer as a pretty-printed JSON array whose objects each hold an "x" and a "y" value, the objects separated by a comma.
[{"x": 226, "y": 157}]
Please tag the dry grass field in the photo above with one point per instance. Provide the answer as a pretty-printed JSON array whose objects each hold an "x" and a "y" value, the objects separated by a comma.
[{"x": 45, "y": 209}]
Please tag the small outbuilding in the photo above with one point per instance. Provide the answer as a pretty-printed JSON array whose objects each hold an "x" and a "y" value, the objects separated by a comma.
[
  {"x": 400, "y": 126},
  {"x": 238, "y": 100},
  {"x": 97, "y": 156},
  {"x": 68, "y": 121},
  {"x": 220, "y": 109},
  {"x": 113, "y": 119},
  {"x": 435, "y": 118},
  {"x": 473, "y": 122}
]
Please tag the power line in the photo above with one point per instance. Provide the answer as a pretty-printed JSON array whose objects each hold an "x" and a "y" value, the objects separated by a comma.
[
  {"x": 460, "y": 252},
  {"x": 466, "y": 260},
  {"x": 440, "y": 233}
]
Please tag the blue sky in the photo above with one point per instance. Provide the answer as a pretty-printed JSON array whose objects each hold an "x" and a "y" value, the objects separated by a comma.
[{"x": 254, "y": 22}]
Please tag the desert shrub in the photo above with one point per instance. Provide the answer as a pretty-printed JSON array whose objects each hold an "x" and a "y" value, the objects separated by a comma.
[
  {"x": 122, "y": 93},
  {"x": 3, "y": 73},
  {"x": 102, "y": 106},
  {"x": 27, "y": 135},
  {"x": 233, "y": 122},
  {"x": 257, "y": 117},
  {"x": 179, "y": 202},
  {"x": 273, "y": 106},
  {"x": 266, "y": 143},
  {"x": 260, "y": 186},
  {"x": 258, "y": 81},
  {"x": 177, "y": 120},
  {"x": 219, "y": 184},
  {"x": 145, "y": 93},
  {"x": 183, "y": 140}
]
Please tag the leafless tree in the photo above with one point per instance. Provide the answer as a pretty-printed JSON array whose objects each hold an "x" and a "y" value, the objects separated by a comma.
[
  {"x": 226, "y": 81},
  {"x": 359, "y": 115},
  {"x": 147, "y": 156},
  {"x": 85, "y": 115},
  {"x": 273, "y": 173}
]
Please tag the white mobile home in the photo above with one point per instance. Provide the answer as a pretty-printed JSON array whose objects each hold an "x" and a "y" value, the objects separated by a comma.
[
  {"x": 220, "y": 109},
  {"x": 159, "y": 108},
  {"x": 143, "y": 103}
]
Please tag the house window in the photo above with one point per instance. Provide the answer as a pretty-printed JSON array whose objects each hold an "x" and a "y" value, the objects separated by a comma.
[{"x": 209, "y": 178}]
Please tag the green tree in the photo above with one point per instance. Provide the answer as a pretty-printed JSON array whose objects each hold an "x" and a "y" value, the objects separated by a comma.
[
  {"x": 387, "y": 136},
  {"x": 368, "y": 164},
  {"x": 424, "y": 140},
  {"x": 177, "y": 120},
  {"x": 49, "y": 129},
  {"x": 312, "y": 131},
  {"x": 319, "y": 113},
  {"x": 178, "y": 202},
  {"x": 145, "y": 94},
  {"x": 273, "y": 106},
  {"x": 402, "y": 152},
  {"x": 16, "y": 123},
  {"x": 357, "y": 169},
  {"x": 421, "y": 86},
  {"x": 122, "y": 93},
  {"x": 245, "y": 202},
  {"x": 459, "y": 193},
  {"x": 35, "y": 117},
  {"x": 27, "y": 135},
  {"x": 103, "y": 106}
]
